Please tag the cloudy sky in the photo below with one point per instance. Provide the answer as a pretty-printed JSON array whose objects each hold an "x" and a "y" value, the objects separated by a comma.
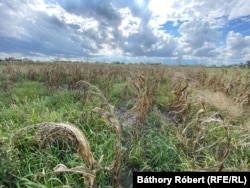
[{"x": 168, "y": 31}]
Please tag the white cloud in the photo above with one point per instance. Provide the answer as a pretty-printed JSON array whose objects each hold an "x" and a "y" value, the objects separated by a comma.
[
  {"x": 141, "y": 28},
  {"x": 129, "y": 23},
  {"x": 237, "y": 45},
  {"x": 87, "y": 23},
  {"x": 141, "y": 3},
  {"x": 197, "y": 38},
  {"x": 183, "y": 10},
  {"x": 239, "y": 9}
]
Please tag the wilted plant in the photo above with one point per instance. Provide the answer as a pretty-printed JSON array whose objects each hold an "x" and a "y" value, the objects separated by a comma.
[
  {"x": 202, "y": 137},
  {"x": 47, "y": 133},
  {"x": 107, "y": 112},
  {"x": 144, "y": 85}
]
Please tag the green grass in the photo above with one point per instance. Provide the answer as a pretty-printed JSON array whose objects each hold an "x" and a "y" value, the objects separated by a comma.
[
  {"x": 163, "y": 96},
  {"x": 159, "y": 146},
  {"x": 32, "y": 105}
]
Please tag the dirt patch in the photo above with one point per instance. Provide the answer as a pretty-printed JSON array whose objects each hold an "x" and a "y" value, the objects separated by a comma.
[{"x": 126, "y": 118}]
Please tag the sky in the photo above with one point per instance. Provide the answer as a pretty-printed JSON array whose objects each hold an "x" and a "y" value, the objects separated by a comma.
[{"x": 211, "y": 32}]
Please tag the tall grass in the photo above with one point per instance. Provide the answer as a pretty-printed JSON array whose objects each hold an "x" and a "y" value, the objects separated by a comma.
[{"x": 189, "y": 120}]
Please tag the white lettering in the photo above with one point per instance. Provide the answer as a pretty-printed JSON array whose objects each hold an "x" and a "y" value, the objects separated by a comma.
[
  {"x": 187, "y": 179},
  {"x": 139, "y": 179}
]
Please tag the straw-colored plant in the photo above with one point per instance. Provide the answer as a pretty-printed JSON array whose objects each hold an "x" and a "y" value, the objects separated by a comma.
[
  {"x": 47, "y": 133},
  {"x": 144, "y": 85},
  {"x": 107, "y": 112}
]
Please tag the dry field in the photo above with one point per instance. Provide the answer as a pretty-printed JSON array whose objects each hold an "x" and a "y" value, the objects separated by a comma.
[{"x": 105, "y": 121}]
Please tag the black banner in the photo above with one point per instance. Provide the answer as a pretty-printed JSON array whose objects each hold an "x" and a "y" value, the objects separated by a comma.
[{"x": 194, "y": 179}]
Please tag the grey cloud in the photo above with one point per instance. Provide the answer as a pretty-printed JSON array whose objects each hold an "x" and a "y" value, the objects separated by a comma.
[
  {"x": 54, "y": 35},
  {"x": 205, "y": 52},
  {"x": 74, "y": 26},
  {"x": 47, "y": 34},
  {"x": 10, "y": 24},
  {"x": 56, "y": 22},
  {"x": 103, "y": 11},
  {"x": 198, "y": 39},
  {"x": 146, "y": 43},
  {"x": 24, "y": 29},
  {"x": 195, "y": 33},
  {"x": 106, "y": 12},
  {"x": 138, "y": 43}
]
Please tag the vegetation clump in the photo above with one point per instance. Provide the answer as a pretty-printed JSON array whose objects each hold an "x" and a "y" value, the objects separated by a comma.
[{"x": 67, "y": 124}]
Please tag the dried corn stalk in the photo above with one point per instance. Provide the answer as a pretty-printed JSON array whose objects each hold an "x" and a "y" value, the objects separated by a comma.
[
  {"x": 46, "y": 133},
  {"x": 106, "y": 110}
]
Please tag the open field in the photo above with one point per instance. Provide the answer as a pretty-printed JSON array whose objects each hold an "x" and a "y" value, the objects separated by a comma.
[{"x": 125, "y": 118}]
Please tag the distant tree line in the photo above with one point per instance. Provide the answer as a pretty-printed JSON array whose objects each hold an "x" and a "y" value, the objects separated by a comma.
[
  {"x": 15, "y": 59},
  {"x": 247, "y": 64},
  {"x": 242, "y": 65}
]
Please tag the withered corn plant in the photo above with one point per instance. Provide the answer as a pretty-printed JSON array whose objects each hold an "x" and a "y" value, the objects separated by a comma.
[
  {"x": 206, "y": 131},
  {"x": 144, "y": 84},
  {"x": 203, "y": 137},
  {"x": 48, "y": 133},
  {"x": 44, "y": 134},
  {"x": 107, "y": 112}
]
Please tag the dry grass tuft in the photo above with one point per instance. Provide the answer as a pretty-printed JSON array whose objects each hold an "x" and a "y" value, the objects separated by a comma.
[
  {"x": 224, "y": 103},
  {"x": 89, "y": 175}
]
